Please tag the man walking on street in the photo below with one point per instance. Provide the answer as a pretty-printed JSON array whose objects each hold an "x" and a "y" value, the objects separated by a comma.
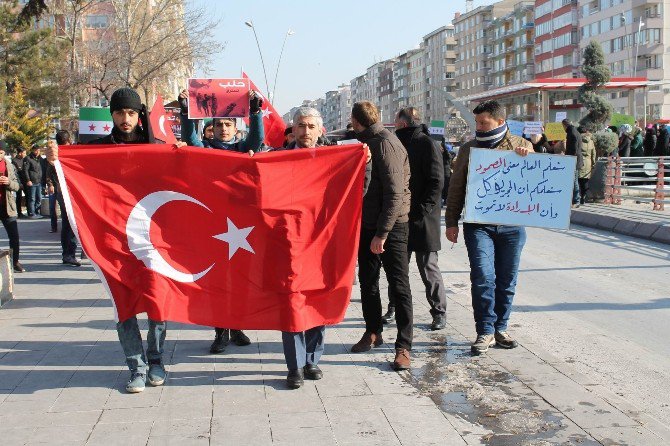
[
  {"x": 384, "y": 234},
  {"x": 68, "y": 241},
  {"x": 573, "y": 147},
  {"x": 9, "y": 184},
  {"x": 494, "y": 251},
  {"x": 32, "y": 177},
  {"x": 127, "y": 111},
  {"x": 425, "y": 184}
]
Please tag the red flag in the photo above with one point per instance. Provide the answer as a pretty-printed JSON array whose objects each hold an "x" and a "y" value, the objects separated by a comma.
[
  {"x": 159, "y": 122},
  {"x": 218, "y": 238},
  {"x": 272, "y": 122}
]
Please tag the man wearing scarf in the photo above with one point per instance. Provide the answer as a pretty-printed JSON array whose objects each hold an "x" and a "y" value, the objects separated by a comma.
[{"x": 494, "y": 250}]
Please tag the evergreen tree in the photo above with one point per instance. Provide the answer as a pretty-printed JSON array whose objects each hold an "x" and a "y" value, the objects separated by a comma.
[
  {"x": 23, "y": 127},
  {"x": 597, "y": 75}
]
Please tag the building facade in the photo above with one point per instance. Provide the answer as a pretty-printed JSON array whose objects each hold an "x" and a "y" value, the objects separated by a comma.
[
  {"x": 557, "y": 52},
  {"x": 440, "y": 73}
]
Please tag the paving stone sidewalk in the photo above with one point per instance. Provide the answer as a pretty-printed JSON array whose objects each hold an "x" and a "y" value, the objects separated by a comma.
[{"x": 62, "y": 376}]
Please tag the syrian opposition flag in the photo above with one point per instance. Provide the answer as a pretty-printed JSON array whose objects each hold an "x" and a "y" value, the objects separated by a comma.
[
  {"x": 218, "y": 238},
  {"x": 273, "y": 124},
  {"x": 160, "y": 124},
  {"x": 94, "y": 123}
]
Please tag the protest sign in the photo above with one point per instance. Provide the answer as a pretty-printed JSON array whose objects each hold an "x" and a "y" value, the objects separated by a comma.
[
  {"x": 504, "y": 188},
  {"x": 533, "y": 128},
  {"x": 619, "y": 119},
  {"x": 218, "y": 98},
  {"x": 515, "y": 127},
  {"x": 436, "y": 130},
  {"x": 561, "y": 116},
  {"x": 555, "y": 131}
]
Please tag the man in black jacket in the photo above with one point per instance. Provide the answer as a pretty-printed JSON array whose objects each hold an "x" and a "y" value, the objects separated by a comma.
[
  {"x": 573, "y": 147},
  {"x": 127, "y": 110},
  {"x": 384, "y": 234},
  {"x": 425, "y": 184},
  {"x": 32, "y": 177}
]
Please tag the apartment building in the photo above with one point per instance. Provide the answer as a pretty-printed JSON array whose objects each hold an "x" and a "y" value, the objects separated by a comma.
[
  {"x": 557, "y": 38},
  {"x": 440, "y": 73}
]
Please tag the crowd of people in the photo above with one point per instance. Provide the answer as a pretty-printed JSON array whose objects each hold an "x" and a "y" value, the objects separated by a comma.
[{"x": 404, "y": 192}]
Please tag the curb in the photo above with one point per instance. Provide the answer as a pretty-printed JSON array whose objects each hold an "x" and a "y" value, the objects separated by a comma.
[{"x": 657, "y": 232}]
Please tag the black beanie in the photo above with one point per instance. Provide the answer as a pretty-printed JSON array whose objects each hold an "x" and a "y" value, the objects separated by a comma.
[{"x": 125, "y": 98}]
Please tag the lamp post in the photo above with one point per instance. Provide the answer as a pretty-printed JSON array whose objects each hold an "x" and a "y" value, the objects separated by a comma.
[
  {"x": 640, "y": 24},
  {"x": 274, "y": 85},
  {"x": 250, "y": 24}
]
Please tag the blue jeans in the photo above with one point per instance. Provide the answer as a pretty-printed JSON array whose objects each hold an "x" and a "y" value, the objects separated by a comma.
[
  {"x": 301, "y": 348},
  {"x": 494, "y": 253},
  {"x": 33, "y": 199},
  {"x": 131, "y": 341}
]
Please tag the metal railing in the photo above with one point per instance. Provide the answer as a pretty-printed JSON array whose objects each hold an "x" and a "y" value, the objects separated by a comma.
[{"x": 643, "y": 179}]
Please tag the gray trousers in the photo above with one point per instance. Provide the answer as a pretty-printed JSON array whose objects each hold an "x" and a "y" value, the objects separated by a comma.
[
  {"x": 131, "y": 341},
  {"x": 303, "y": 347},
  {"x": 431, "y": 276}
]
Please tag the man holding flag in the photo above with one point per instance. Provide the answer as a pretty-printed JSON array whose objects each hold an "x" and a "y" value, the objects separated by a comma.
[{"x": 127, "y": 110}]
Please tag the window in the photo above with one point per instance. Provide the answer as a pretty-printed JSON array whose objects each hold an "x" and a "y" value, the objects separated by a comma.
[{"x": 97, "y": 21}]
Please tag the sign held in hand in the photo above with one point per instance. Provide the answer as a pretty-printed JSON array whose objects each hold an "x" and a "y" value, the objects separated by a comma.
[
  {"x": 218, "y": 98},
  {"x": 507, "y": 189}
]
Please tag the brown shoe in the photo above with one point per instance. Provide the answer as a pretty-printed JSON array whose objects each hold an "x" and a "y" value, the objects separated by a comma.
[
  {"x": 366, "y": 342},
  {"x": 402, "y": 359}
]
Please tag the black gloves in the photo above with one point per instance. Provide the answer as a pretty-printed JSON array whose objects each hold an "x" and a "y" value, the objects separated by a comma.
[{"x": 255, "y": 104}]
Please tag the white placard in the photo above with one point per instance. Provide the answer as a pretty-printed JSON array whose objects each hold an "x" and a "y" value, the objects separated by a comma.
[
  {"x": 533, "y": 127},
  {"x": 504, "y": 188},
  {"x": 436, "y": 130},
  {"x": 344, "y": 142},
  {"x": 561, "y": 116}
]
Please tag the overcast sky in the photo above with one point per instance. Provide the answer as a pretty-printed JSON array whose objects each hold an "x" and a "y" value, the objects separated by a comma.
[{"x": 333, "y": 41}]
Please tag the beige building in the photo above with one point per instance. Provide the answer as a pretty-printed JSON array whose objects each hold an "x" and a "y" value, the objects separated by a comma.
[
  {"x": 633, "y": 35},
  {"x": 440, "y": 73}
]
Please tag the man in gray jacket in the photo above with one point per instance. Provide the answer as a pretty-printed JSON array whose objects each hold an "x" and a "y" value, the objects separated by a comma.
[{"x": 384, "y": 233}]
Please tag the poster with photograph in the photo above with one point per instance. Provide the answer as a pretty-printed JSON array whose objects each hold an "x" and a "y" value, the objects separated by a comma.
[{"x": 218, "y": 98}]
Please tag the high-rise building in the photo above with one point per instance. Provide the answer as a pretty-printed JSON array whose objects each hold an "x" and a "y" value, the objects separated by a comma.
[
  {"x": 475, "y": 45},
  {"x": 511, "y": 59},
  {"x": 633, "y": 35},
  {"x": 440, "y": 69},
  {"x": 556, "y": 39}
]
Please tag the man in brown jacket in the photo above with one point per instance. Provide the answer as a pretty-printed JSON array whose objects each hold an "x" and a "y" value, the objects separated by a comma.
[
  {"x": 384, "y": 233},
  {"x": 494, "y": 250}
]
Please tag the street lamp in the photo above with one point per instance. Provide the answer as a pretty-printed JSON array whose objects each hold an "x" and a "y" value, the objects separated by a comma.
[
  {"x": 640, "y": 24},
  {"x": 274, "y": 85},
  {"x": 250, "y": 24}
]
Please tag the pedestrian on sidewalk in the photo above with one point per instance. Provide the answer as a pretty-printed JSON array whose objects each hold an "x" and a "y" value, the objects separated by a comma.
[
  {"x": 425, "y": 184},
  {"x": 662, "y": 141},
  {"x": 224, "y": 137},
  {"x": 384, "y": 234},
  {"x": 589, "y": 157},
  {"x": 9, "y": 184},
  {"x": 573, "y": 147},
  {"x": 650, "y": 140},
  {"x": 127, "y": 111},
  {"x": 68, "y": 240},
  {"x": 17, "y": 161},
  {"x": 32, "y": 176},
  {"x": 494, "y": 251}
]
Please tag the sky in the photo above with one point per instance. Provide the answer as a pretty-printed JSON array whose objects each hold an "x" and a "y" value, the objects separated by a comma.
[{"x": 334, "y": 41}]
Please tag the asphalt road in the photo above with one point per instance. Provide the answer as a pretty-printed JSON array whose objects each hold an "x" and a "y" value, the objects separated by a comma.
[{"x": 597, "y": 300}]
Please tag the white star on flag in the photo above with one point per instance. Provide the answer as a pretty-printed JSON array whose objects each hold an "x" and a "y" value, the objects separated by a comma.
[
  {"x": 236, "y": 238},
  {"x": 266, "y": 113}
]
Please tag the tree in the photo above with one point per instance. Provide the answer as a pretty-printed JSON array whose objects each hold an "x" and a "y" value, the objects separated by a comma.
[
  {"x": 23, "y": 127},
  {"x": 597, "y": 75}
]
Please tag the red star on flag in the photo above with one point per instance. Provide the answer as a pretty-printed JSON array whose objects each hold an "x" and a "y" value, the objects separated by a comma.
[
  {"x": 91, "y": 127},
  {"x": 106, "y": 128}
]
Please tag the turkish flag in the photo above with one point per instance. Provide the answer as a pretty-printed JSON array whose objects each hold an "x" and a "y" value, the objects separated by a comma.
[
  {"x": 273, "y": 124},
  {"x": 160, "y": 124},
  {"x": 219, "y": 238}
]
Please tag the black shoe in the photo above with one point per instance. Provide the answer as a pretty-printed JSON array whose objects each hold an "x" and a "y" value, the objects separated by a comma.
[
  {"x": 389, "y": 316},
  {"x": 439, "y": 322},
  {"x": 313, "y": 372},
  {"x": 220, "y": 341},
  {"x": 504, "y": 340},
  {"x": 71, "y": 261},
  {"x": 239, "y": 338},
  {"x": 295, "y": 379},
  {"x": 18, "y": 268},
  {"x": 52, "y": 230},
  {"x": 22, "y": 216}
]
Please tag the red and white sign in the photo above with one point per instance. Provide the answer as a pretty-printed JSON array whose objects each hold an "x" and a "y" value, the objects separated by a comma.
[
  {"x": 160, "y": 123},
  {"x": 273, "y": 124},
  {"x": 218, "y": 238},
  {"x": 218, "y": 98}
]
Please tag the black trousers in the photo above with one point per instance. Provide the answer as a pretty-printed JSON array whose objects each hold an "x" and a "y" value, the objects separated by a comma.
[
  {"x": 396, "y": 266},
  {"x": 68, "y": 240},
  {"x": 12, "y": 228},
  {"x": 583, "y": 188},
  {"x": 19, "y": 199}
]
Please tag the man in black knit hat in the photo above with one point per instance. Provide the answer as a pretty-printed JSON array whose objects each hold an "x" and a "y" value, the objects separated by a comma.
[{"x": 127, "y": 111}]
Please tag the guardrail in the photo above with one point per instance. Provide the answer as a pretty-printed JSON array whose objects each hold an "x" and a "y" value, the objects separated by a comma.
[{"x": 643, "y": 179}]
